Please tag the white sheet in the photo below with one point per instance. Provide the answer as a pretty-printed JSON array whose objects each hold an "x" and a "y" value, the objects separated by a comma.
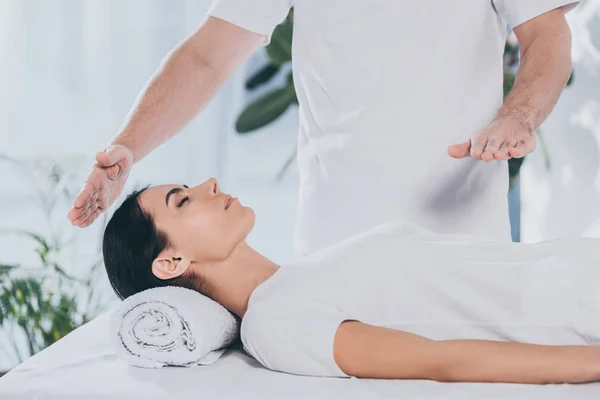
[{"x": 82, "y": 366}]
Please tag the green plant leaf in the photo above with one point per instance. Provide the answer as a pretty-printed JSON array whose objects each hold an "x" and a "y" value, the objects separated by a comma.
[
  {"x": 5, "y": 270},
  {"x": 544, "y": 148},
  {"x": 508, "y": 83},
  {"x": 290, "y": 82},
  {"x": 262, "y": 76},
  {"x": 4, "y": 306},
  {"x": 266, "y": 109},
  {"x": 60, "y": 271},
  {"x": 44, "y": 248},
  {"x": 39, "y": 239},
  {"x": 286, "y": 165},
  {"x": 511, "y": 47},
  {"x": 279, "y": 49}
]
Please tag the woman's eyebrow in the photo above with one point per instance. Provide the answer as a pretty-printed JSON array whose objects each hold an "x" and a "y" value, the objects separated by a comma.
[{"x": 173, "y": 191}]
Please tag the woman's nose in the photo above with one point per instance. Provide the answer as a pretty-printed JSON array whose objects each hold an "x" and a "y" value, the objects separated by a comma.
[
  {"x": 213, "y": 187},
  {"x": 208, "y": 188}
]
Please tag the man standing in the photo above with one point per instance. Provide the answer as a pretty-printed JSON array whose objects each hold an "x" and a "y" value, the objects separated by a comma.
[{"x": 401, "y": 108}]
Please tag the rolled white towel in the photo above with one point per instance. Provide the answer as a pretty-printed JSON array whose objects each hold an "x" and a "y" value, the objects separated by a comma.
[{"x": 171, "y": 326}]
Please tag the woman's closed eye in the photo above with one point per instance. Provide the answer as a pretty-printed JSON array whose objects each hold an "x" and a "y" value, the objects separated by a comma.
[{"x": 186, "y": 198}]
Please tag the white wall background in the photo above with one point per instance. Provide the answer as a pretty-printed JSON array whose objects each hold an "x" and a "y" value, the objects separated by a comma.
[{"x": 70, "y": 70}]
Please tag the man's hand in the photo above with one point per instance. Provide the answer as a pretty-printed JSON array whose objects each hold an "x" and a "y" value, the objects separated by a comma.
[
  {"x": 185, "y": 83},
  {"x": 545, "y": 46},
  {"x": 102, "y": 186},
  {"x": 504, "y": 138}
]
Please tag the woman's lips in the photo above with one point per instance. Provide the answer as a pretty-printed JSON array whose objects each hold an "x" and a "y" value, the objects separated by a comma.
[{"x": 229, "y": 201}]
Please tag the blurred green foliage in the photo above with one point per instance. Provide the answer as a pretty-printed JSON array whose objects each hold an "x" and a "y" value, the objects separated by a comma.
[{"x": 42, "y": 303}]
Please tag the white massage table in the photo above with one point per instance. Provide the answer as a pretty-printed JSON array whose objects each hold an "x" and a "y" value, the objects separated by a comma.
[{"x": 82, "y": 366}]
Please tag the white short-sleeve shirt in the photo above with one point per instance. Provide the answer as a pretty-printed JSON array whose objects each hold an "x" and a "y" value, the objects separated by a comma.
[
  {"x": 384, "y": 87},
  {"x": 438, "y": 286}
]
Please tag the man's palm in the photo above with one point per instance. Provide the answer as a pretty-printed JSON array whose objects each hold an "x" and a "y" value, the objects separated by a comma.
[{"x": 103, "y": 185}]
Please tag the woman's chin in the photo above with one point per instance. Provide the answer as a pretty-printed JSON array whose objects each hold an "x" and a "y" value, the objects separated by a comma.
[{"x": 252, "y": 217}]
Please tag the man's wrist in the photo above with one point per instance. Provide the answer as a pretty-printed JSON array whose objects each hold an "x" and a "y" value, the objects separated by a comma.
[
  {"x": 517, "y": 117},
  {"x": 127, "y": 147}
]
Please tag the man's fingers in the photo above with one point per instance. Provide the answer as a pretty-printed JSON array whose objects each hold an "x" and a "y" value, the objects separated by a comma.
[
  {"x": 104, "y": 200},
  {"x": 82, "y": 201},
  {"x": 83, "y": 217},
  {"x": 502, "y": 153},
  {"x": 522, "y": 148},
  {"x": 88, "y": 211},
  {"x": 91, "y": 185},
  {"x": 460, "y": 150},
  {"x": 75, "y": 211},
  {"x": 84, "y": 195},
  {"x": 91, "y": 218},
  {"x": 529, "y": 144},
  {"x": 112, "y": 164},
  {"x": 493, "y": 145},
  {"x": 78, "y": 212},
  {"x": 478, "y": 146},
  {"x": 114, "y": 172},
  {"x": 517, "y": 152}
]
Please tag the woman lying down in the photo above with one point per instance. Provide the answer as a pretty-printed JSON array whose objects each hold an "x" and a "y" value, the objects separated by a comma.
[{"x": 394, "y": 302}]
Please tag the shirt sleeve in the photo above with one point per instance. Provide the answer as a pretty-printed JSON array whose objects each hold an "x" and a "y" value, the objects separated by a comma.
[
  {"x": 293, "y": 338},
  {"x": 257, "y": 16},
  {"x": 516, "y": 12}
]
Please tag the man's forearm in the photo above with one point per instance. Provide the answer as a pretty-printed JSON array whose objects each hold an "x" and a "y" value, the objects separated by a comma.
[
  {"x": 184, "y": 84},
  {"x": 181, "y": 88},
  {"x": 544, "y": 70}
]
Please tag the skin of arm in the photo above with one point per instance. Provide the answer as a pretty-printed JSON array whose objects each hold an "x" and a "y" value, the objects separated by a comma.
[
  {"x": 185, "y": 83},
  {"x": 545, "y": 47},
  {"x": 367, "y": 351}
]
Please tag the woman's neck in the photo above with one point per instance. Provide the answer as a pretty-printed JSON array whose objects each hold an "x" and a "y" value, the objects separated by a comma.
[{"x": 233, "y": 280}]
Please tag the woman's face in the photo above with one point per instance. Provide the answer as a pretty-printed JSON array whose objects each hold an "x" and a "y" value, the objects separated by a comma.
[{"x": 201, "y": 222}]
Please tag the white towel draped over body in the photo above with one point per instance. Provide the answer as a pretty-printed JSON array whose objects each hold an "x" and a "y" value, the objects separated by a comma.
[{"x": 172, "y": 326}]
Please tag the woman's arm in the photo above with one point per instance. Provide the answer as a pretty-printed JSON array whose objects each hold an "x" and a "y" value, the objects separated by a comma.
[{"x": 367, "y": 351}]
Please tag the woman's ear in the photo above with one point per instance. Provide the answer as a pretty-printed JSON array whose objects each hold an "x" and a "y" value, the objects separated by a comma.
[{"x": 169, "y": 265}]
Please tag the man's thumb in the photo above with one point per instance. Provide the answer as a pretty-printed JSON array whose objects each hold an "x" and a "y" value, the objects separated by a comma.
[
  {"x": 460, "y": 150},
  {"x": 106, "y": 158},
  {"x": 111, "y": 155}
]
